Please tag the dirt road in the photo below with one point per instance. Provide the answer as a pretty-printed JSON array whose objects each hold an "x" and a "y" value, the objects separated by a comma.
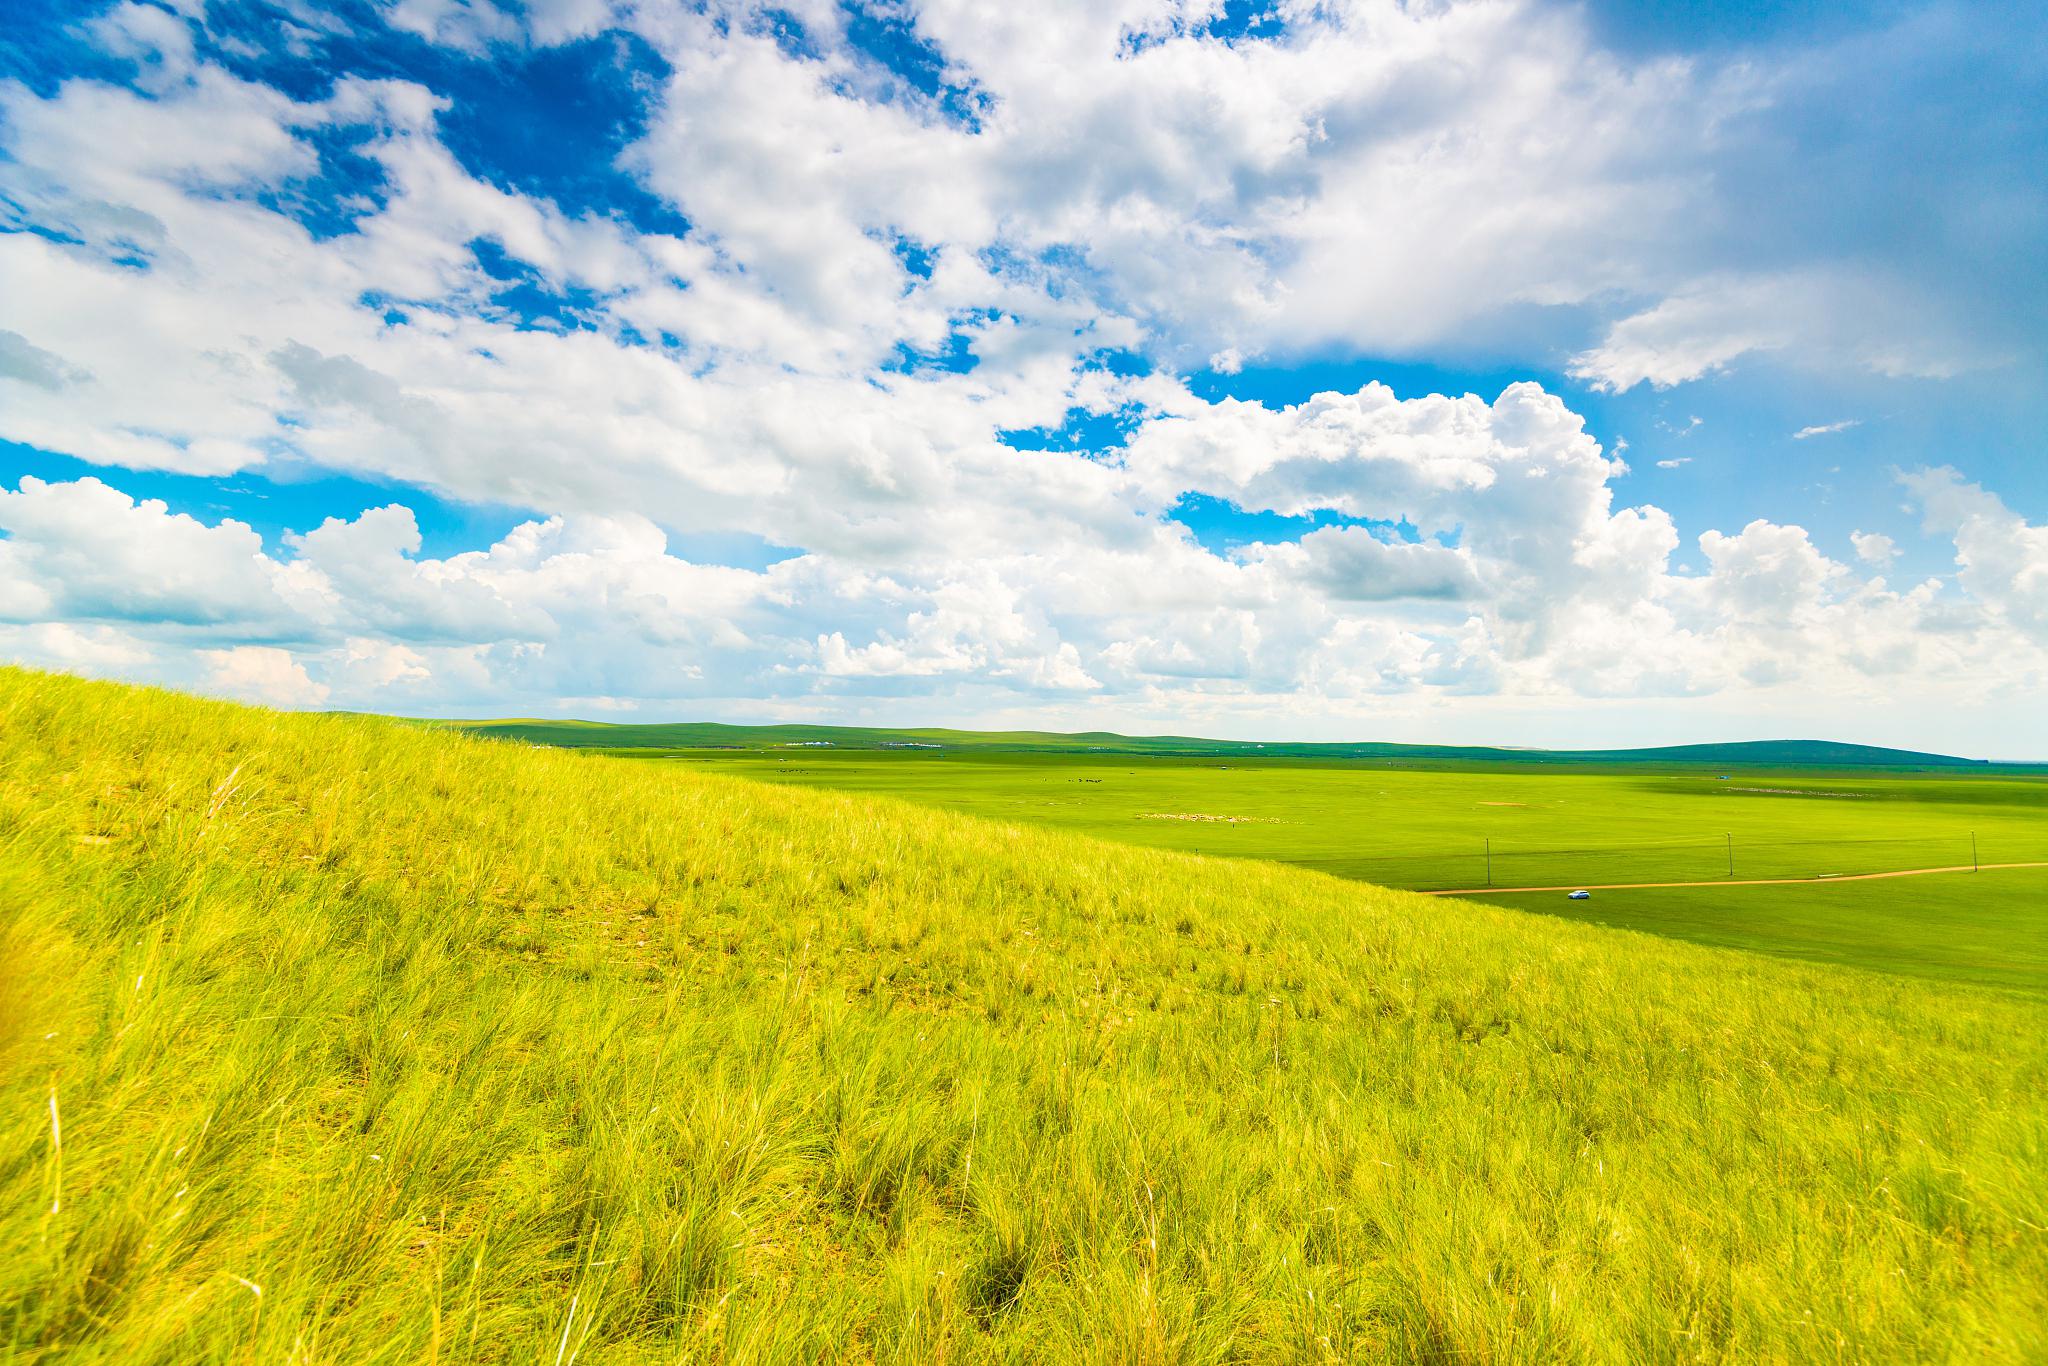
[{"x": 1733, "y": 882}]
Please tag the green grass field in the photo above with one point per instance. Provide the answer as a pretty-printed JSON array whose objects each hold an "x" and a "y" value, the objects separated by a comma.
[
  {"x": 1430, "y": 825},
  {"x": 1990, "y": 928},
  {"x": 329, "y": 1039}
]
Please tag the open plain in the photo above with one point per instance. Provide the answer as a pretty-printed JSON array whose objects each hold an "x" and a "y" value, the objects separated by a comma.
[{"x": 336, "y": 1039}]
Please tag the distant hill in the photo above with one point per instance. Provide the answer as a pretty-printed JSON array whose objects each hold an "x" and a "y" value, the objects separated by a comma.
[
  {"x": 1805, "y": 753},
  {"x": 712, "y": 735}
]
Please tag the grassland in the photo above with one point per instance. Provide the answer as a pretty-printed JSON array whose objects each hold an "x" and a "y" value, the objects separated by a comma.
[
  {"x": 1442, "y": 825},
  {"x": 1989, "y": 928},
  {"x": 693, "y": 735},
  {"x": 330, "y": 1039}
]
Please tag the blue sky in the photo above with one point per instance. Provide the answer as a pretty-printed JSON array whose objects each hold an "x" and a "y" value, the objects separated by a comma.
[{"x": 1516, "y": 372}]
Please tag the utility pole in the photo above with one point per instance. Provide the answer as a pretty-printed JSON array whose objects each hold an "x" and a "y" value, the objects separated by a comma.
[{"x": 1731, "y": 855}]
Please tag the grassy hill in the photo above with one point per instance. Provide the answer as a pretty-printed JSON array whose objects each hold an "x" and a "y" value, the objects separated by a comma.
[
  {"x": 712, "y": 735},
  {"x": 332, "y": 1039},
  {"x": 1441, "y": 827}
]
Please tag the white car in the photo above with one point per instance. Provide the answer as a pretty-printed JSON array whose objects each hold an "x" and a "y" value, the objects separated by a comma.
[{"x": 1582, "y": 895}]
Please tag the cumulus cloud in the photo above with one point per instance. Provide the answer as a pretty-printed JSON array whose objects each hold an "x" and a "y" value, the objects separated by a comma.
[
  {"x": 470, "y": 25},
  {"x": 1373, "y": 177},
  {"x": 102, "y": 650},
  {"x": 262, "y": 673},
  {"x": 1350, "y": 564},
  {"x": 85, "y": 551},
  {"x": 2001, "y": 558},
  {"x": 1874, "y": 548},
  {"x": 1518, "y": 483},
  {"x": 1488, "y": 558},
  {"x": 860, "y": 287},
  {"x": 1767, "y": 571}
]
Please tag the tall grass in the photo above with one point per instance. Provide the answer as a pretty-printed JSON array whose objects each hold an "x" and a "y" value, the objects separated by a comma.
[
  {"x": 1546, "y": 825},
  {"x": 329, "y": 1039}
]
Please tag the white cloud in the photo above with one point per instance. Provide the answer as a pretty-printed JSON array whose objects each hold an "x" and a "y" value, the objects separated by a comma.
[
  {"x": 103, "y": 650},
  {"x": 1546, "y": 591},
  {"x": 1826, "y": 429},
  {"x": 1378, "y": 179},
  {"x": 86, "y": 551},
  {"x": 1818, "y": 316},
  {"x": 471, "y": 25},
  {"x": 1767, "y": 571},
  {"x": 369, "y": 666},
  {"x": 1874, "y": 548},
  {"x": 1350, "y": 564},
  {"x": 21, "y": 359},
  {"x": 2001, "y": 559},
  {"x": 262, "y": 673},
  {"x": 1517, "y": 481},
  {"x": 1677, "y": 462}
]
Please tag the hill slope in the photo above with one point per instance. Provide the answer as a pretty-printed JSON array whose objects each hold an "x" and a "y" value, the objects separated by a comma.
[
  {"x": 713, "y": 735},
  {"x": 333, "y": 1039}
]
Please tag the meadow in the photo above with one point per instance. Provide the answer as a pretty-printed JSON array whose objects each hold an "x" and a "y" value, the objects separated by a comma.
[
  {"x": 329, "y": 1039},
  {"x": 1448, "y": 824}
]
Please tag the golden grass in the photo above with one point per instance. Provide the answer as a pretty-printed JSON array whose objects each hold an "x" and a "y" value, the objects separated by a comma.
[{"x": 373, "y": 1043}]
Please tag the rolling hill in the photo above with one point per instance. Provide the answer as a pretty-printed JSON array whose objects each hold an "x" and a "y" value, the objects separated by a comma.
[
  {"x": 333, "y": 1039},
  {"x": 712, "y": 735}
]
